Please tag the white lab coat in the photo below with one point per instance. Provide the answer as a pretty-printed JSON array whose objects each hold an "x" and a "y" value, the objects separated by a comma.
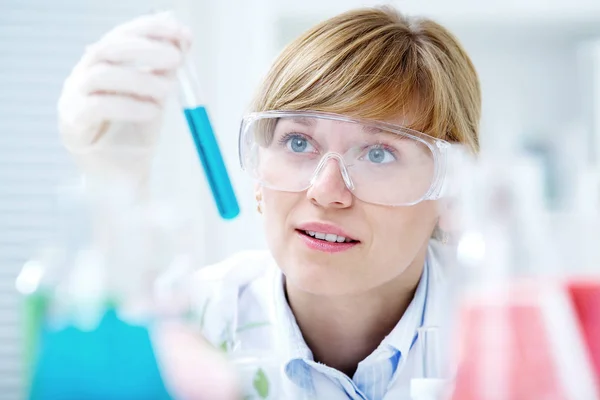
[{"x": 243, "y": 291}]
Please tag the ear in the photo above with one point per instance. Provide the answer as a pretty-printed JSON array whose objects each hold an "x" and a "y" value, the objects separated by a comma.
[{"x": 448, "y": 218}]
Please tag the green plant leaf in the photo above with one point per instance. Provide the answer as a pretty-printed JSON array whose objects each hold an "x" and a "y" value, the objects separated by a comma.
[
  {"x": 261, "y": 384},
  {"x": 224, "y": 346},
  {"x": 252, "y": 326}
]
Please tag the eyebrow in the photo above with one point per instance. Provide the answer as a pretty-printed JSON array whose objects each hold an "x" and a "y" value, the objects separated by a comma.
[
  {"x": 368, "y": 129},
  {"x": 373, "y": 130},
  {"x": 310, "y": 122}
]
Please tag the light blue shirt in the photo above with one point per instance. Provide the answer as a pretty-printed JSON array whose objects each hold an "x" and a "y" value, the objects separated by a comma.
[
  {"x": 375, "y": 373},
  {"x": 247, "y": 302}
]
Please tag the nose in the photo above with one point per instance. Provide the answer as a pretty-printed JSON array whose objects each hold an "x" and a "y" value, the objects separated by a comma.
[{"x": 328, "y": 188}]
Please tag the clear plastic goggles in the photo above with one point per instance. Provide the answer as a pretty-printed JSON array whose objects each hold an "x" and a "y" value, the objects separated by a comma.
[{"x": 380, "y": 163}]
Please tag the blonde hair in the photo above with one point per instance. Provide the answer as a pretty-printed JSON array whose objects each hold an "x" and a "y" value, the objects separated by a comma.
[{"x": 378, "y": 64}]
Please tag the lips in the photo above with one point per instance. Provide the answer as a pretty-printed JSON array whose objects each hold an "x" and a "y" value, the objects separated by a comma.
[
  {"x": 327, "y": 229},
  {"x": 329, "y": 237},
  {"x": 326, "y": 237}
]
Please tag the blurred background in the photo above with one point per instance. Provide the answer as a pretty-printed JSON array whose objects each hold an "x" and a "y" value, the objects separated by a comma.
[{"x": 539, "y": 64}]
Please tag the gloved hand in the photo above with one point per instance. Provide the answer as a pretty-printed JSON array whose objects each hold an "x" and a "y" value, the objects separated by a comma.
[{"x": 112, "y": 104}]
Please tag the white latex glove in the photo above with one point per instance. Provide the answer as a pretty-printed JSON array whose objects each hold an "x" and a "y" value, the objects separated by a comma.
[{"x": 112, "y": 104}]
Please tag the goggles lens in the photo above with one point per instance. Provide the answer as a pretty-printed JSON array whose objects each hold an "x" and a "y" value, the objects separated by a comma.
[{"x": 379, "y": 163}]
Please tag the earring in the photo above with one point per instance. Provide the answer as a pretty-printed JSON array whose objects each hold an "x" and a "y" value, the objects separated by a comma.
[{"x": 258, "y": 202}]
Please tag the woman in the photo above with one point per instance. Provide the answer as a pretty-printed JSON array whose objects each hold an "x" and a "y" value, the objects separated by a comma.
[{"x": 347, "y": 144}]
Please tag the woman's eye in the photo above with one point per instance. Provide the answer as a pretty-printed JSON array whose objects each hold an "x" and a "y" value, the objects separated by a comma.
[
  {"x": 380, "y": 155},
  {"x": 299, "y": 144}
]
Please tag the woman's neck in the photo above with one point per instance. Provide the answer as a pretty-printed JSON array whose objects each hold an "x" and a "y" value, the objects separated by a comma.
[{"x": 341, "y": 331}]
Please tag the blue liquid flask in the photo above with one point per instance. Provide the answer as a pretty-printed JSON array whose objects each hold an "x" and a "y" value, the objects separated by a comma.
[
  {"x": 78, "y": 342},
  {"x": 77, "y": 350},
  {"x": 207, "y": 145},
  {"x": 115, "y": 361}
]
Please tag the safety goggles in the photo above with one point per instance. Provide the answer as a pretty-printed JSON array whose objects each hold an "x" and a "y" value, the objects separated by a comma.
[{"x": 380, "y": 163}]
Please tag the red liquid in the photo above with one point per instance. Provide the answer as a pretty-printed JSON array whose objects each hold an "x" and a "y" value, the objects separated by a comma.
[
  {"x": 586, "y": 301},
  {"x": 528, "y": 371}
]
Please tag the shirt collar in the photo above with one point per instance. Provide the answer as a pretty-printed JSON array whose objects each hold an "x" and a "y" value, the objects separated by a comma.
[{"x": 403, "y": 336}]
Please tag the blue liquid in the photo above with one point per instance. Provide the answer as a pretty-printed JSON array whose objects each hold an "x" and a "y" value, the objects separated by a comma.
[
  {"x": 114, "y": 362},
  {"x": 212, "y": 162}
]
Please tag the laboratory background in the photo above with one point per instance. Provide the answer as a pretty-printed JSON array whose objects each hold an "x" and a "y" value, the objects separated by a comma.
[{"x": 538, "y": 61}]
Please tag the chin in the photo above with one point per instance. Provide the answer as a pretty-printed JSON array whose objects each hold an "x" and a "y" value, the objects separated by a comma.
[
  {"x": 316, "y": 272},
  {"x": 327, "y": 277}
]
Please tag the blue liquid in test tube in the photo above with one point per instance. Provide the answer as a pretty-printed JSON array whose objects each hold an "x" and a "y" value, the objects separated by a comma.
[{"x": 207, "y": 145}]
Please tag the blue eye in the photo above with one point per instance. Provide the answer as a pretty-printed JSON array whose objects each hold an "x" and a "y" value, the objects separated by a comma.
[
  {"x": 298, "y": 144},
  {"x": 380, "y": 155}
]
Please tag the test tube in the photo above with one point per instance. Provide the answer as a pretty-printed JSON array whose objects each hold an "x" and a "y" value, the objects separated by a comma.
[{"x": 206, "y": 143}]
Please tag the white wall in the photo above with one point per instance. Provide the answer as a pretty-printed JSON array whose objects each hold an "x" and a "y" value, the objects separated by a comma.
[{"x": 457, "y": 10}]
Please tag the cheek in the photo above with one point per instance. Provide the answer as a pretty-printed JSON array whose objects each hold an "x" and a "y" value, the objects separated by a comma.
[
  {"x": 277, "y": 207},
  {"x": 402, "y": 231}
]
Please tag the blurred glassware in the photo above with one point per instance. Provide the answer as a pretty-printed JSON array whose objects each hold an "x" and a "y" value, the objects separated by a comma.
[
  {"x": 260, "y": 375},
  {"x": 433, "y": 380},
  {"x": 250, "y": 345},
  {"x": 89, "y": 301},
  {"x": 520, "y": 334}
]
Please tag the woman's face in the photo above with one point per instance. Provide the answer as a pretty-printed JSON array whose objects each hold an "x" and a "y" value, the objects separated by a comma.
[{"x": 386, "y": 240}]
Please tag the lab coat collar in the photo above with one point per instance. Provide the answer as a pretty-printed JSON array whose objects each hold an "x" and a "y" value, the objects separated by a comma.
[
  {"x": 419, "y": 312},
  {"x": 402, "y": 337},
  {"x": 292, "y": 343}
]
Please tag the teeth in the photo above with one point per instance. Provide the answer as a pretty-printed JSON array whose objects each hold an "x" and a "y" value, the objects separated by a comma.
[{"x": 330, "y": 237}]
